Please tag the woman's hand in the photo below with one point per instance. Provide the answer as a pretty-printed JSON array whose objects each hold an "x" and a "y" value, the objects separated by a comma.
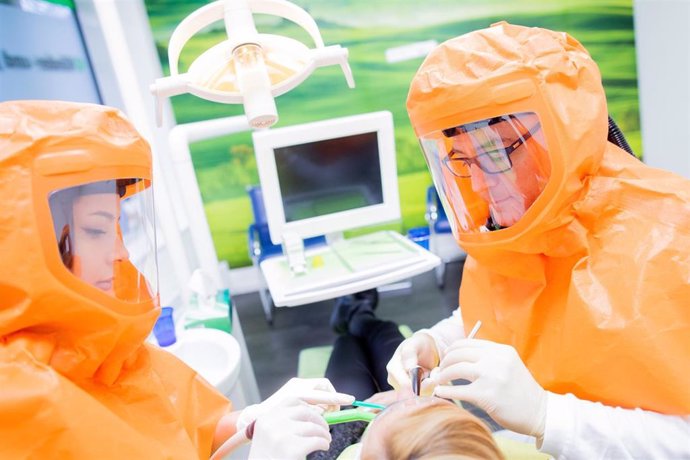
[
  {"x": 317, "y": 392},
  {"x": 292, "y": 430}
]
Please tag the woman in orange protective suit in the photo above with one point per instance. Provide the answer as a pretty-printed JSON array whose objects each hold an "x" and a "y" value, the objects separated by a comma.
[
  {"x": 78, "y": 297},
  {"x": 577, "y": 263}
]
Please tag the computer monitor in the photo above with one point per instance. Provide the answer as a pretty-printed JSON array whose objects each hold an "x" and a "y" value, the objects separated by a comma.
[
  {"x": 325, "y": 177},
  {"x": 42, "y": 53}
]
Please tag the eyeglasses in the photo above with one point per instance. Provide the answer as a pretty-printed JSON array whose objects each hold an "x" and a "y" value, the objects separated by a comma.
[{"x": 491, "y": 162}]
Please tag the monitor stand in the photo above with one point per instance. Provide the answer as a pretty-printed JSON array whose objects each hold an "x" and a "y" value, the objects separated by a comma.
[
  {"x": 332, "y": 238},
  {"x": 293, "y": 248}
]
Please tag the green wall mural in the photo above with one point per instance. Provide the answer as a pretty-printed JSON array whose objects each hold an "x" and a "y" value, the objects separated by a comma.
[{"x": 225, "y": 166}]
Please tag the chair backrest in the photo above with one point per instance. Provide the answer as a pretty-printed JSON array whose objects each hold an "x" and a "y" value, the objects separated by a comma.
[
  {"x": 433, "y": 203},
  {"x": 256, "y": 197},
  {"x": 440, "y": 210}
]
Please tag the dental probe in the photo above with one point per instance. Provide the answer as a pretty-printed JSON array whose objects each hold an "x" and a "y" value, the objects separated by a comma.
[
  {"x": 416, "y": 376},
  {"x": 368, "y": 404},
  {"x": 474, "y": 330}
]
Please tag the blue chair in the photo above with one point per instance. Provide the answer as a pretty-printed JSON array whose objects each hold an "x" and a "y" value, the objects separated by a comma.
[
  {"x": 261, "y": 247},
  {"x": 441, "y": 241}
]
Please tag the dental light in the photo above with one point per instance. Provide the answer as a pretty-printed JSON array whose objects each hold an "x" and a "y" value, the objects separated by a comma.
[{"x": 248, "y": 68}]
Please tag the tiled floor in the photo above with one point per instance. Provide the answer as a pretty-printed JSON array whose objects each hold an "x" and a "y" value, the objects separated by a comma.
[{"x": 274, "y": 350}]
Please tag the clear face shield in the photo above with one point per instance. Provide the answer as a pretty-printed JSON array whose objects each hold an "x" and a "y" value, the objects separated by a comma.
[
  {"x": 106, "y": 236},
  {"x": 489, "y": 172}
]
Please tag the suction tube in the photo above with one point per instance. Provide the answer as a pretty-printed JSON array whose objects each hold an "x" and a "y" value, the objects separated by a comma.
[{"x": 348, "y": 415}]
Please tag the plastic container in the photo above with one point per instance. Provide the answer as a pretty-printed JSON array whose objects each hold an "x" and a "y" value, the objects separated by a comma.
[
  {"x": 419, "y": 235},
  {"x": 211, "y": 312},
  {"x": 224, "y": 297},
  {"x": 164, "y": 329}
]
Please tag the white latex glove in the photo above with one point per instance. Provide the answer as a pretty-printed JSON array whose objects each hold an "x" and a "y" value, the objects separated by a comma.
[
  {"x": 292, "y": 430},
  {"x": 500, "y": 384},
  {"x": 418, "y": 350},
  {"x": 318, "y": 392}
]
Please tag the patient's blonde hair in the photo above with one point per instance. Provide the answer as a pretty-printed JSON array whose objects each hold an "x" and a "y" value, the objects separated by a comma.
[{"x": 439, "y": 431}]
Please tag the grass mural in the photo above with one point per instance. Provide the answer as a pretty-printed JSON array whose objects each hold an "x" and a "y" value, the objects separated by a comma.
[{"x": 225, "y": 166}]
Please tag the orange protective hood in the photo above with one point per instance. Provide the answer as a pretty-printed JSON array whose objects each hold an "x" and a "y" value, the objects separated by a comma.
[
  {"x": 69, "y": 353},
  {"x": 46, "y": 146},
  {"x": 589, "y": 285},
  {"x": 511, "y": 69}
]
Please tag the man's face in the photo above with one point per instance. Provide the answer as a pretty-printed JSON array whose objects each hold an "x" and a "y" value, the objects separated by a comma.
[
  {"x": 508, "y": 189},
  {"x": 96, "y": 238}
]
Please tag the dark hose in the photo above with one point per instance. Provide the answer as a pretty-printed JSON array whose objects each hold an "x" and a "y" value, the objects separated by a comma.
[{"x": 616, "y": 137}]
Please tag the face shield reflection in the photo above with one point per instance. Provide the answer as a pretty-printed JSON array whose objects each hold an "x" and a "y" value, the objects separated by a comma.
[
  {"x": 489, "y": 172},
  {"x": 106, "y": 237}
]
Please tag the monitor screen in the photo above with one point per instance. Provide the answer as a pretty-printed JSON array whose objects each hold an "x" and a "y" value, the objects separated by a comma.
[
  {"x": 42, "y": 53},
  {"x": 328, "y": 176}
]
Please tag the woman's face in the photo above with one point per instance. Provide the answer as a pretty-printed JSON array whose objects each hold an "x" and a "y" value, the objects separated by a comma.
[{"x": 96, "y": 238}]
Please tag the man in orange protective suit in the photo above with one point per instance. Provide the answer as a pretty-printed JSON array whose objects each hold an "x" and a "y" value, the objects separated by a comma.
[
  {"x": 578, "y": 264},
  {"x": 78, "y": 297}
]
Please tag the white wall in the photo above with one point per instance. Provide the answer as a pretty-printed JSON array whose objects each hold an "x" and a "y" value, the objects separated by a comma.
[{"x": 662, "y": 35}]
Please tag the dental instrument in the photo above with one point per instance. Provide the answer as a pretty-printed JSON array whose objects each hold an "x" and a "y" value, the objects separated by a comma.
[
  {"x": 474, "y": 330},
  {"x": 368, "y": 404},
  {"x": 416, "y": 376}
]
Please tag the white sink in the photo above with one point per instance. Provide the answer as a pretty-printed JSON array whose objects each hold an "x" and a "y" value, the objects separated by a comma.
[{"x": 214, "y": 354}]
